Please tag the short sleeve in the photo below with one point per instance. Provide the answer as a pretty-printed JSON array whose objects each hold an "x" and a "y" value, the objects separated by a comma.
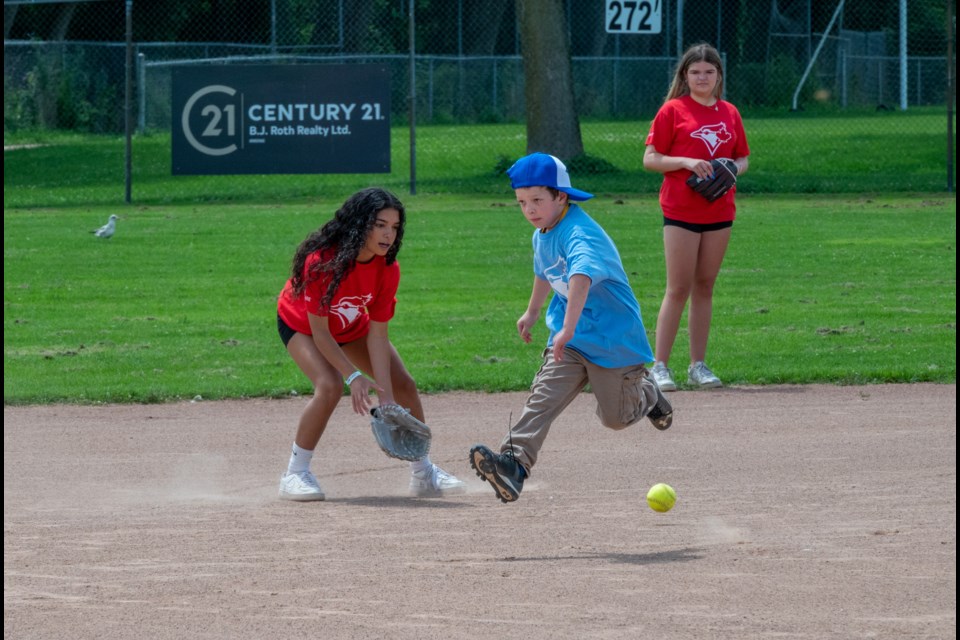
[
  {"x": 383, "y": 306},
  {"x": 662, "y": 130}
]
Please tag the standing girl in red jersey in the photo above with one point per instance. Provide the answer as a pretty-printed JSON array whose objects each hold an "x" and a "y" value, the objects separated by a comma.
[
  {"x": 332, "y": 316},
  {"x": 692, "y": 127}
]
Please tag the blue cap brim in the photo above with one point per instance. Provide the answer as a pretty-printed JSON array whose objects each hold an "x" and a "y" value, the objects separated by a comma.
[{"x": 544, "y": 170}]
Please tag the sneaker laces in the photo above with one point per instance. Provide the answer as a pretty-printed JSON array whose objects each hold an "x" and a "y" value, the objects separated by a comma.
[
  {"x": 307, "y": 479},
  {"x": 700, "y": 369},
  {"x": 518, "y": 468},
  {"x": 437, "y": 478}
]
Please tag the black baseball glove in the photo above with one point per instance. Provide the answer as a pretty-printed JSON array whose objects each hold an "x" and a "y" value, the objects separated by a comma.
[
  {"x": 399, "y": 434},
  {"x": 724, "y": 178}
]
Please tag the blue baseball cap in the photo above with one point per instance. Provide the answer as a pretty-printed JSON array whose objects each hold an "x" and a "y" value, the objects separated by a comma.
[{"x": 544, "y": 170}]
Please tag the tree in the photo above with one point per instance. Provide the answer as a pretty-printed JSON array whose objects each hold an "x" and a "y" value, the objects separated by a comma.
[
  {"x": 482, "y": 21},
  {"x": 552, "y": 123},
  {"x": 9, "y": 13}
]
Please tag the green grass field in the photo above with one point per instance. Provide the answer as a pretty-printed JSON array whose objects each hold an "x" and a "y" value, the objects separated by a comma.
[
  {"x": 847, "y": 288},
  {"x": 181, "y": 302},
  {"x": 795, "y": 153}
]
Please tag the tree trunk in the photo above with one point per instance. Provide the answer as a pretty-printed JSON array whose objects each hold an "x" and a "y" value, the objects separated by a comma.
[
  {"x": 9, "y": 13},
  {"x": 482, "y": 26},
  {"x": 552, "y": 123},
  {"x": 62, "y": 23}
]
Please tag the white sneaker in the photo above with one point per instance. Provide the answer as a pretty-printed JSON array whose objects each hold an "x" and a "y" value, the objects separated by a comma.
[
  {"x": 663, "y": 376},
  {"x": 302, "y": 487},
  {"x": 699, "y": 374},
  {"x": 435, "y": 482}
]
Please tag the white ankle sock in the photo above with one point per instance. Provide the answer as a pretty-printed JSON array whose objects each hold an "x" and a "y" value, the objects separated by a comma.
[
  {"x": 420, "y": 465},
  {"x": 299, "y": 459}
]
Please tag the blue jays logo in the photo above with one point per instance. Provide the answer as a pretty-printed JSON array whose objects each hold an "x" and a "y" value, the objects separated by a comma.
[
  {"x": 349, "y": 308},
  {"x": 556, "y": 276},
  {"x": 713, "y": 135}
]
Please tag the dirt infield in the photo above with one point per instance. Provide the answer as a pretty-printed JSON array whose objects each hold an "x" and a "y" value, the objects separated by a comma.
[{"x": 803, "y": 512}]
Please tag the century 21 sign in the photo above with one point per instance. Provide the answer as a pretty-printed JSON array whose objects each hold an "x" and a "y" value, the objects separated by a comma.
[{"x": 281, "y": 119}]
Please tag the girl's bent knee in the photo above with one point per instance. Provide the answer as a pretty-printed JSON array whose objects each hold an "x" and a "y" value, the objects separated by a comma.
[
  {"x": 404, "y": 385},
  {"x": 327, "y": 389}
]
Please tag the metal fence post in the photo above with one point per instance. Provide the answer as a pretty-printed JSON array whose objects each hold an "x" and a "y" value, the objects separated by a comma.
[
  {"x": 412, "y": 96},
  {"x": 128, "y": 103},
  {"x": 141, "y": 93}
]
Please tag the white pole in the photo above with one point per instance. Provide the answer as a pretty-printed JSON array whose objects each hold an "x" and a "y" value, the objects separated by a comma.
[
  {"x": 141, "y": 93},
  {"x": 816, "y": 53},
  {"x": 903, "y": 55},
  {"x": 273, "y": 27},
  {"x": 679, "y": 28},
  {"x": 412, "y": 97}
]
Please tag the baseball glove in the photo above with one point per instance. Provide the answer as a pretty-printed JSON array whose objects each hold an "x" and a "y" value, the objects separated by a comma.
[
  {"x": 724, "y": 178},
  {"x": 399, "y": 434}
]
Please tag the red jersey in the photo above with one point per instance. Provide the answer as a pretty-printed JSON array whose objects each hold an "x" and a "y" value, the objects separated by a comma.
[
  {"x": 684, "y": 127},
  {"x": 368, "y": 292}
]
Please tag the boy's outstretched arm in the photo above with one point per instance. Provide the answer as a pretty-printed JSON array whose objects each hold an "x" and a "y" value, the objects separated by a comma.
[
  {"x": 541, "y": 289},
  {"x": 577, "y": 290}
]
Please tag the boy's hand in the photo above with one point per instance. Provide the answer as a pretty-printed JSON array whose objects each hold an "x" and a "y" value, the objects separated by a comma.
[
  {"x": 524, "y": 324},
  {"x": 560, "y": 341}
]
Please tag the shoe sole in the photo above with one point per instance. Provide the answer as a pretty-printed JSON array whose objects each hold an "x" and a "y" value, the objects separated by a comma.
[
  {"x": 482, "y": 461},
  {"x": 662, "y": 422},
  {"x": 438, "y": 493},
  {"x": 664, "y": 417},
  {"x": 706, "y": 385},
  {"x": 306, "y": 497},
  {"x": 667, "y": 387}
]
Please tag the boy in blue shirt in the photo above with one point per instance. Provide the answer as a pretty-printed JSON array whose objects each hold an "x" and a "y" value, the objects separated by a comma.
[{"x": 596, "y": 332}]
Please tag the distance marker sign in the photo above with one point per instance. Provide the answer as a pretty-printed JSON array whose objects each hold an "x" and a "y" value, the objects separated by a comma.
[
  {"x": 294, "y": 119},
  {"x": 633, "y": 16}
]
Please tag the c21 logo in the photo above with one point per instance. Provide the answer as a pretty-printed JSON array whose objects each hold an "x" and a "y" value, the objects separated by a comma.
[{"x": 220, "y": 118}]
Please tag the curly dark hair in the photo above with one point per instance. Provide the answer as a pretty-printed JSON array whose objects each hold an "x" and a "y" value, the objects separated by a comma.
[{"x": 345, "y": 234}]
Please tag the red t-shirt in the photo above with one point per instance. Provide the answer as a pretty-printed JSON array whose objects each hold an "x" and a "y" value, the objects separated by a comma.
[
  {"x": 369, "y": 292},
  {"x": 684, "y": 127}
]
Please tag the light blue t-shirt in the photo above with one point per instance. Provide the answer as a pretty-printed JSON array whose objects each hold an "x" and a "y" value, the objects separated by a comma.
[{"x": 610, "y": 332}]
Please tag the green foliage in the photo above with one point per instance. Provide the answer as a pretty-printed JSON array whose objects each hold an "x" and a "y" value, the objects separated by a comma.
[
  {"x": 588, "y": 165},
  {"x": 749, "y": 89},
  {"x": 62, "y": 91},
  {"x": 181, "y": 302},
  {"x": 87, "y": 102},
  {"x": 782, "y": 76},
  {"x": 502, "y": 164}
]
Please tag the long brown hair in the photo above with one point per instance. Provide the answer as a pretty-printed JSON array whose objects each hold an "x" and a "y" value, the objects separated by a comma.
[
  {"x": 701, "y": 52},
  {"x": 345, "y": 236}
]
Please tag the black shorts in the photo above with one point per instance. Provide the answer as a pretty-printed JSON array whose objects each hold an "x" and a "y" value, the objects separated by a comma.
[
  {"x": 697, "y": 228},
  {"x": 286, "y": 333}
]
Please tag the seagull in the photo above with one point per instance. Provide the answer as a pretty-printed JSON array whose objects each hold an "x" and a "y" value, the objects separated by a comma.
[{"x": 106, "y": 231}]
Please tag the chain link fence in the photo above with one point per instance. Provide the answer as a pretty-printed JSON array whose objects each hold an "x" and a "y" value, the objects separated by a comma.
[{"x": 64, "y": 63}]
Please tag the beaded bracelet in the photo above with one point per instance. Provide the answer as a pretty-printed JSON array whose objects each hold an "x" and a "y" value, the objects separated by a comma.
[{"x": 353, "y": 376}]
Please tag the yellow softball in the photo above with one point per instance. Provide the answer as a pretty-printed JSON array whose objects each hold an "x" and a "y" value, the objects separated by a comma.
[{"x": 661, "y": 497}]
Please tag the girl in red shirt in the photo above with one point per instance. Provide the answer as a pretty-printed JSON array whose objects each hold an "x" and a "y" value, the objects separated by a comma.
[
  {"x": 332, "y": 316},
  {"x": 693, "y": 127}
]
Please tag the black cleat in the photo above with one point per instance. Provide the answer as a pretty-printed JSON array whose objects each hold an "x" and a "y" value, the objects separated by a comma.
[
  {"x": 661, "y": 414},
  {"x": 500, "y": 470}
]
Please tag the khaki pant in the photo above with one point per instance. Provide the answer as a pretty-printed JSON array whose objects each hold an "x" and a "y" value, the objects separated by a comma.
[{"x": 624, "y": 395}]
